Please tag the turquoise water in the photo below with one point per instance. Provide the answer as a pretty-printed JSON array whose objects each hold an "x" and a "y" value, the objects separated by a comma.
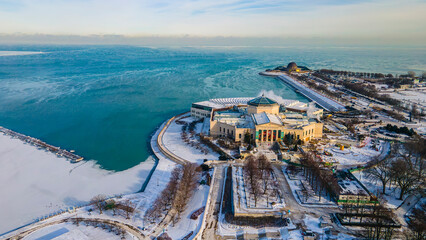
[{"x": 104, "y": 102}]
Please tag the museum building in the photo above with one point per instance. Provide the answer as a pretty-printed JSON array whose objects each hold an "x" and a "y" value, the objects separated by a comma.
[{"x": 265, "y": 120}]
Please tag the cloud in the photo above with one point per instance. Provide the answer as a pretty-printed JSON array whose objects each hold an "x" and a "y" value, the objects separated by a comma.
[{"x": 280, "y": 19}]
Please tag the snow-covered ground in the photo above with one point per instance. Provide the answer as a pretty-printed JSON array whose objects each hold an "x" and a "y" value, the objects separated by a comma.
[
  {"x": 186, "y": 224},
  {"x": 313, "y": 224},
  {"x": 355, "y": 155},
  {"x": 296, "y": 187},
  {"x": 69, "y": 231},
  {"x": 375, "y": 187},
  {"x": 244, "y": 202},
  {"x": 172, "y": 140},
  {"x": 416, "y": 96},
  {"x": 35, "y": 183}
]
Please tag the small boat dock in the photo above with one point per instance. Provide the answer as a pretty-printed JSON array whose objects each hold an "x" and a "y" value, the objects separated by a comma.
[{"x": 42, "y": 145}]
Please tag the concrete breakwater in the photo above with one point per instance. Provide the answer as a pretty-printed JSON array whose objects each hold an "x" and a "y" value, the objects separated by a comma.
[
  {"x": 40, "y": 144},
  {"x": 325, "y": 102}
]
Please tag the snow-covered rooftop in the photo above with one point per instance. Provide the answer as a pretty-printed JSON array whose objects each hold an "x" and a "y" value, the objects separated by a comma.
[
  {"x": 350, "y": 186},
  {"x": 217, "y": 103},
  {"x": 263, "y": 118},
  {"x": 234, "y": 118}
]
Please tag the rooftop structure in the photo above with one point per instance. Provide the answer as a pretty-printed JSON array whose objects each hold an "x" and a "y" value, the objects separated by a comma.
[
  {"x": 292, "y": 67},
  {"x": 262, "y": 100},
  {"x": 351, "y": 191},
  {"x": 205, "y": 108}
]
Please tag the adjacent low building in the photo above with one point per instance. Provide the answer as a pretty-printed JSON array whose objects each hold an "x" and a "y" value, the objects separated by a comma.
[{"x": 351, "y": 191}]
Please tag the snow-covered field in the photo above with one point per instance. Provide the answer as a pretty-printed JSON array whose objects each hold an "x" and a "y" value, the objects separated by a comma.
[
  {"x": 35, "y": 183},
  {"x": 172, "y": 140},
  {"x": 69, "y": 231},
  {"x": 295, "y": 183},
  {"x": 355, "y": 155},
  {"x": 375, "y": 187},
  {"x": 418, "y": 97},
  {"x": 244, "y": 202}
]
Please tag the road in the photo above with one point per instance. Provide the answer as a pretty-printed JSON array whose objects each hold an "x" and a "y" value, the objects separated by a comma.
[
  {"x": 212, "y": 209},
  {"x": 298, "y": 212}
]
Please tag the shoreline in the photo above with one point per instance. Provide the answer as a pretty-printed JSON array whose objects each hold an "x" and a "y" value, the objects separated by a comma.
[
  {"x": 54, "y": 185},
  {"x": 74, "y": 158}
]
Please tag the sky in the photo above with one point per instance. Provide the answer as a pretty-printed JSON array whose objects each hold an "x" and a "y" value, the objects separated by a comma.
[{"x": 240, "y": 21}]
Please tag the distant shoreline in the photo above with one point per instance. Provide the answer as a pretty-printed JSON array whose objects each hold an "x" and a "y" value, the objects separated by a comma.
[{"x": 18, "y": 53}]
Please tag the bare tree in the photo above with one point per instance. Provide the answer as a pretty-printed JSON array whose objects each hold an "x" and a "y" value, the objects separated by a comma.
[
  {"x": 411, "y": 74},
  {"x": 404, "y": 177},
  {"x": 417, "y": 223},
  {"x": 185, "y": 189},
  {"x": 165, "y": 200},
  {"x": 378, "y": 227},
  {"x": 127, "y": 206},
  {"x": 381, "y": 172},
  {"x": 265, "y": 170},
  {"x": 416, "y": 153},
  {"x": 251, "y": 176},
  {"x": 99, "y": 202}
]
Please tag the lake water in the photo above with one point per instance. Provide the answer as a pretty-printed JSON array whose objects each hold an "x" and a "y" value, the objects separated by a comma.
[{"x": 104, "y": 101}]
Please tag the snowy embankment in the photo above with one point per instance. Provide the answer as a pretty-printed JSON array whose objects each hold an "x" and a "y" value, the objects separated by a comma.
[
  {"x": 172, "y": 140},
  {"x": 36, "y": 183}
]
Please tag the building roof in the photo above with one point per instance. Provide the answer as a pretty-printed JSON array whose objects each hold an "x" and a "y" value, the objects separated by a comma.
[
  {"x": 234, "y": 118},
  {"x": 261, "y": 101},
  {"x": 263, "y": 118},
  {"x": 292, "y": 66}
]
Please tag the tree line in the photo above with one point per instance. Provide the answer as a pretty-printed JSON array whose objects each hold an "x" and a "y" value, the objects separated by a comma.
[
  {"x": 319, "y": 177},
  {"x": 354, "y": 74},
  {"x": 257, "y": 176},
  {"x": 404, "y": 167},
  {"x": 404, "y": 130},
  {"x": 174, "y": 198},
  {"x": 370, "y": 90}
]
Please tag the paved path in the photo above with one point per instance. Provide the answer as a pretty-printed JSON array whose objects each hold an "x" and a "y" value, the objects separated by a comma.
[
  {"x": 298, "y": 211},
  {"x": 124, "y": 226},
  {"x": 208, "y": 230},
  {"x": 164, "y": 149}
]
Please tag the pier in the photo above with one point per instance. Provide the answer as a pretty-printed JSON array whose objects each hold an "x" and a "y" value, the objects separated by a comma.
[
  {"x": 40, "y": 144},
  {"x": 323, "y": 101}
]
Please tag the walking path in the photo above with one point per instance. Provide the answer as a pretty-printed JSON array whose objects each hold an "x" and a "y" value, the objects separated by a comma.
[
  {"x": 164, "y": 149},
  {"x": 298, "y": 212},
  {"x": 124, "y": 226},
  {"x": 210, "y": 220}
]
